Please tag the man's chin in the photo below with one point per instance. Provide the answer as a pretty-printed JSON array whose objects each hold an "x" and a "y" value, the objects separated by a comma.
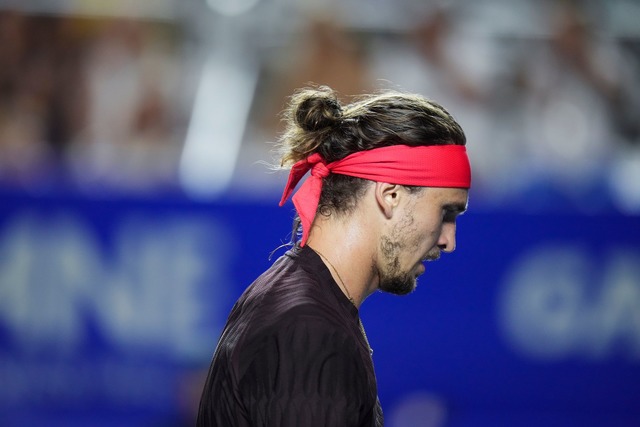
[{"x": 399, "y": 286}]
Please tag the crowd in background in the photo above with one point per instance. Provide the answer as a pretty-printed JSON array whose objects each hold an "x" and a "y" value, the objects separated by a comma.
[
  {"x": 552, "y": 115},
  {"x": 86, "y": 103}
]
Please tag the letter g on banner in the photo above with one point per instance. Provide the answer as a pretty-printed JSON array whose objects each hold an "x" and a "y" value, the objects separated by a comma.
[{"x": 562, "y": 301}]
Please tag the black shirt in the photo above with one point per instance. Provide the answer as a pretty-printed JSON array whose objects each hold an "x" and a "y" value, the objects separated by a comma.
[{"x": 292, "y": 354}]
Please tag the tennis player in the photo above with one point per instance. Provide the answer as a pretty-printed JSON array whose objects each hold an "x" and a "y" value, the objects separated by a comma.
[{"x": 387, "y": 176}]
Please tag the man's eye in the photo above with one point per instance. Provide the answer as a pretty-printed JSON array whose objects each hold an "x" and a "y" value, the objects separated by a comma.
[{"x": 448, "y": 216}]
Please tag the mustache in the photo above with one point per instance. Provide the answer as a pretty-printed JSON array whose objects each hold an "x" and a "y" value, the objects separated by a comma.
[{"x": 431, "y": 256}]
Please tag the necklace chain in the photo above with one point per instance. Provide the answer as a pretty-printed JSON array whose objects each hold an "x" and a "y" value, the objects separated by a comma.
[
  {"x": 364, "y": 334},
  {"x": 339, "y": 277}
]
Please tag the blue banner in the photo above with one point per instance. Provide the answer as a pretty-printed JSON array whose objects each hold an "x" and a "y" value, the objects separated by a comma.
[{"x": 110, "y": 311}]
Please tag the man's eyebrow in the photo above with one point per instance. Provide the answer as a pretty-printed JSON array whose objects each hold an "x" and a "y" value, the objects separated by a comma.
[{"x": 456, "y": 208}]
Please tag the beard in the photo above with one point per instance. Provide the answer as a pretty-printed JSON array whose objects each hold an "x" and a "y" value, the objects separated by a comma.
[
  {"x": 398, "y": 284},
  {"x": 393, "y": 279}
]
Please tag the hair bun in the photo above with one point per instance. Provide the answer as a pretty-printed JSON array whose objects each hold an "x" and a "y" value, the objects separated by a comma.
[{"x": 317, "y": 109}]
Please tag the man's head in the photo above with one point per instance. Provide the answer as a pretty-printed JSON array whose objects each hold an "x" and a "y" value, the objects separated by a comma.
[{"x": 398, "y": 158}]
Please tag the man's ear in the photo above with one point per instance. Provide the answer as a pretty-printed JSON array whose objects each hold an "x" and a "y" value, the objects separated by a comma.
[{"x": 387, "y": 197}]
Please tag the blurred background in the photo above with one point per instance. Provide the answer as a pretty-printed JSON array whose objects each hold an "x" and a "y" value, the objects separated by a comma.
[{"x": 136, "y": 202}]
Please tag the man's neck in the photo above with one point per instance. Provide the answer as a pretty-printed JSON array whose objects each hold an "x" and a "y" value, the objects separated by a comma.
[{"x": 346, "y": 247}]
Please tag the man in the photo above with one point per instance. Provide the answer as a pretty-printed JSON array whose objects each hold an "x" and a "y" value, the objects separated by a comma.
[{"x": 388, "y": 176}]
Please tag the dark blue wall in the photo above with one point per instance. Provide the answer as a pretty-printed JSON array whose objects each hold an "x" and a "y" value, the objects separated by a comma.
[{"x": 110, "y": 310}]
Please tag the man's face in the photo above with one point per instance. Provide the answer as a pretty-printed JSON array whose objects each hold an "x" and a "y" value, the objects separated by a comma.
[{"x": 424, "y": 227}]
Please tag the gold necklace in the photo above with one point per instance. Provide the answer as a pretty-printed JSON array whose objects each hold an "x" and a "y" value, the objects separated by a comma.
[{"x": 364, "y": 334}]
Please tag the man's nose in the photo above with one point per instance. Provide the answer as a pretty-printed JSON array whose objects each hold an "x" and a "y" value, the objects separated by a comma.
[{"x": 447, "y": 241}]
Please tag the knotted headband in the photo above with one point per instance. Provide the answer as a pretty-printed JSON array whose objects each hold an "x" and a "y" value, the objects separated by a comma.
[{"x": 424, "y": 166}]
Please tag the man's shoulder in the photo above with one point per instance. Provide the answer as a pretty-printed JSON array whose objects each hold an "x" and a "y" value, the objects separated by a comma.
[
  {"x": 288, "y": 288},
  {"x": 287, "y": 300},
  {"x": 281, "y": 313},
  {"x": 278, "y": 310}
]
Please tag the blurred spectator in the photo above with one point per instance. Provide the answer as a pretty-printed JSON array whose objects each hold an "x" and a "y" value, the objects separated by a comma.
[
  {"x": 325, "y": 52},
  {"x": 25, "y": 90},
  {"x": 434, "y": 38},
  {"x": 127, "y": 142}
]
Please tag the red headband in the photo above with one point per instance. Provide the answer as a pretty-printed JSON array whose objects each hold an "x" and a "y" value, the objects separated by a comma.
[{"x": 424, "y": 166}]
